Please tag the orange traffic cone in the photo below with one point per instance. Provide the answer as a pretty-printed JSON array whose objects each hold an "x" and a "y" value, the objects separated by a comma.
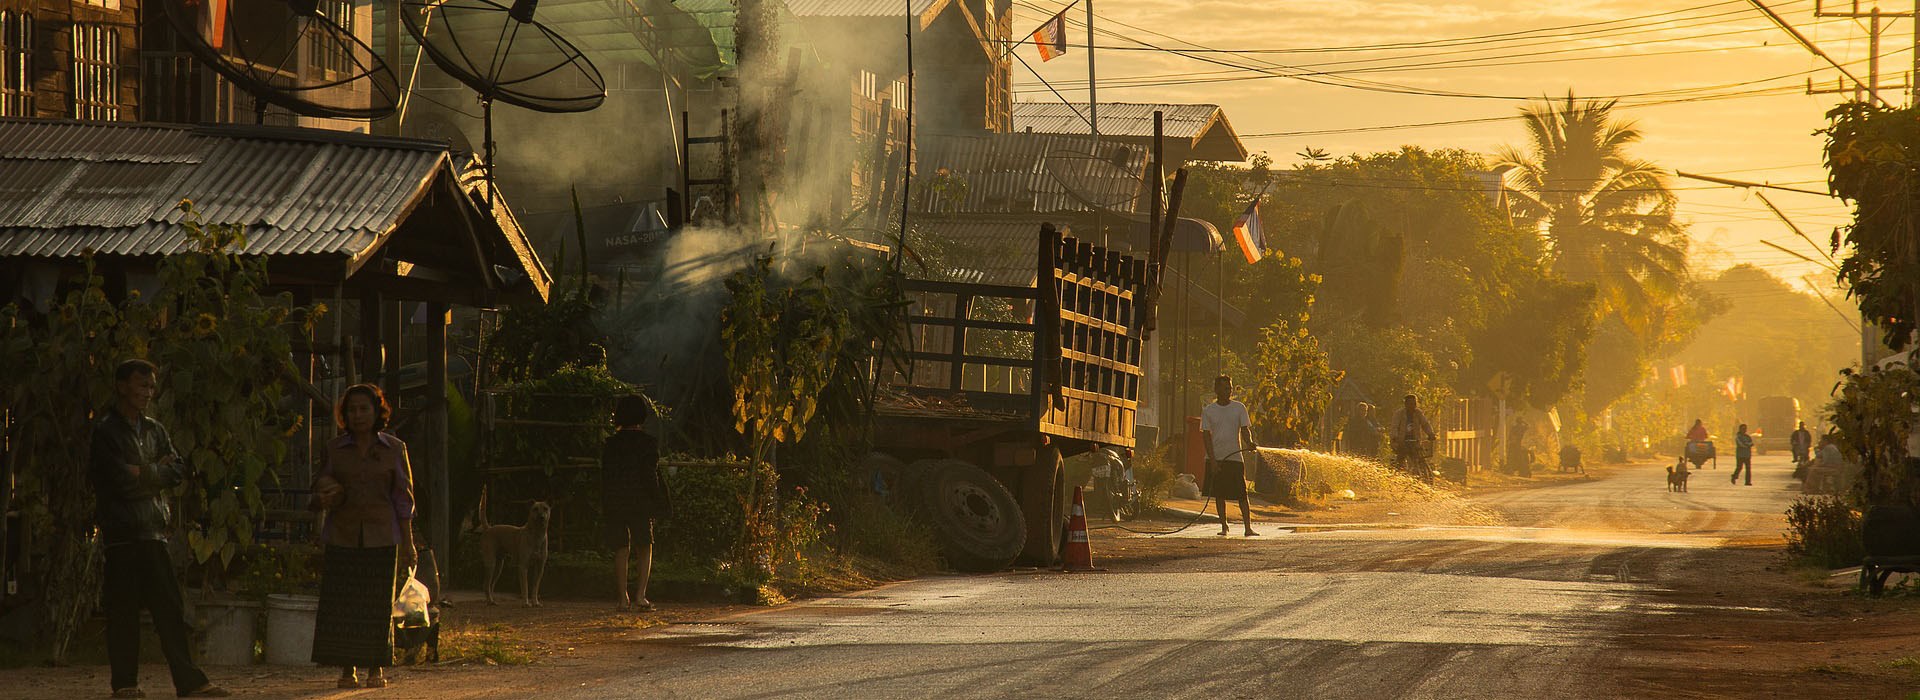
[{"x": 1079, "y": 553}]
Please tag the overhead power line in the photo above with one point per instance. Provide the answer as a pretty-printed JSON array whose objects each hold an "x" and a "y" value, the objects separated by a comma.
[{"x": 1810, "y": 46}]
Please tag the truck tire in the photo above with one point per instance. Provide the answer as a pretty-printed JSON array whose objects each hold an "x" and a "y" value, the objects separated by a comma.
[
  {"x": 887, "y": 470},
  {"x": 1043, "y": 499},
  {"x": 976, "y": 520}
]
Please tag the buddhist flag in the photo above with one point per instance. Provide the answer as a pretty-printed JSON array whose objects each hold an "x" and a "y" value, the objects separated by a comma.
[
  {"x": 1247, "y": 230},
  {"x": 1679, "y": 375},
  {"x": 1051, "y": 37}
]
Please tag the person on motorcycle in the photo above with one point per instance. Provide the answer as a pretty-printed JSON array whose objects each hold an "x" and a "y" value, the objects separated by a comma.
[{"x": 1408, "y": 428}]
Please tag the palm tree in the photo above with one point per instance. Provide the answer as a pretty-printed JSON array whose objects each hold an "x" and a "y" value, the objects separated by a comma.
[{"x": 1608, "y": 218}]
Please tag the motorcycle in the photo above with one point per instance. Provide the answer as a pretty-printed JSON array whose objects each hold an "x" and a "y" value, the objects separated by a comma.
[{"x": 1120, "y": 492}]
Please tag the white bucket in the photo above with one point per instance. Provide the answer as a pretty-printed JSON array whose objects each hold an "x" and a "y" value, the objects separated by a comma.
[
  {"x": 228, "y": 631},
  {"x": 290, "y": 628}
]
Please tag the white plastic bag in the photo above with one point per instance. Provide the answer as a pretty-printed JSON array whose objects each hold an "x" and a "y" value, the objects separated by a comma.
[{"x": 411, "y": 606}]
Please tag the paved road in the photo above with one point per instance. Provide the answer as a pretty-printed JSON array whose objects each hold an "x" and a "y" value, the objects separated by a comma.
[{"x": 1532, "y": 609}]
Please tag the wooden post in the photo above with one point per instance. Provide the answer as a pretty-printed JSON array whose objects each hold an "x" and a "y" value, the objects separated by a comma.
[
  {"x": 392, "y": 338},
  {"x": 371, "y": 311},
  {"x": 435, "y": 437}
]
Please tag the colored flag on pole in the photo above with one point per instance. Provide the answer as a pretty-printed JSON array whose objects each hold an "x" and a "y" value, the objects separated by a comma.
[
  {"x": 1252, "y": 238},
  {"x": 1051, "y": 37},
  {"x": 1679, "y": 375},
  {"x": 212, "y": 20}
]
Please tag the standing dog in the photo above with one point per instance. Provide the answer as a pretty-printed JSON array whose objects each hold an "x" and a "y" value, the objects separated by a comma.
[
  {"x": 526, "y": 544},
  {"x": 1677, "y": 476}
]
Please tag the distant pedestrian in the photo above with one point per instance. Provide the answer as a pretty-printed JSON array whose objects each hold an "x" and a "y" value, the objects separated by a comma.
[
  {"x": 1361, "y": 436},
  {"x": 1802, "y": 444},
  {"x": 1742, "y": 455},
  {"x": 1228, "y": 430},
  {"x": 633, "y": 494},
  {"x": 365, "y": 486},
  {"x": 132, "y": 464},
  {"x": 1518, "y": 460}
]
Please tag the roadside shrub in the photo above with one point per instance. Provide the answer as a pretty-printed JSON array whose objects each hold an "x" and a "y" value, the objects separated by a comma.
[
  {"x": 1153, "y": 471},
  {"x": 890, "y": 543},
  {"x": 1824, "y": 530}
]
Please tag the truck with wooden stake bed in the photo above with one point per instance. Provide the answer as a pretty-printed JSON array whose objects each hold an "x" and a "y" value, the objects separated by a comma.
[{"x": 1001, "y": 385}]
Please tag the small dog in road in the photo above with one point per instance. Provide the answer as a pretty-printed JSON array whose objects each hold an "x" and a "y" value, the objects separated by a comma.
[
  {"x": 526, "y": 544},
  {"x": 1677, "y": 477}
]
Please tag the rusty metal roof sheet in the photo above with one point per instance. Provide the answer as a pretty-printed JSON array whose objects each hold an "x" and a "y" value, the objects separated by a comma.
[
  {"x": 859, "y": 8},
  {"x": 66, "y": 187},
  {"x": 1204, "y": 127},
  {"x": 1018, "y": 173},
  {"x": 976, "y": 250}
]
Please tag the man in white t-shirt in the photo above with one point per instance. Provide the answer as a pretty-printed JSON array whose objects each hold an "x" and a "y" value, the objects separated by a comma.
[{"x": 1229, "y": 438}]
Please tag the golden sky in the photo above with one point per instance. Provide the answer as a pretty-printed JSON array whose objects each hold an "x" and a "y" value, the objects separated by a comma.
[{"x": 1648, "y": 53}]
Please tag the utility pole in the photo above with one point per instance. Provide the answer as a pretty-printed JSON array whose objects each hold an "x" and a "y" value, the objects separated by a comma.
[
  {"x": 1869, "y": 91},
  {"x": 1093, "y": 93},
  {"x": 1802, "y": 39}
]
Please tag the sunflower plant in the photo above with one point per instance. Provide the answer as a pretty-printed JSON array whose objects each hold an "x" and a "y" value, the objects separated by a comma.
[{"x": 222, "y": 341}]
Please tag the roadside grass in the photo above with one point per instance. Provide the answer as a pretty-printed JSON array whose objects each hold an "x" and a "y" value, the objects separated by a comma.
[
  {"x": 493, "y": 645},
  {"x": 1322, "y": 475},
  {"x": 1910, "y": 664},
  {"x": 1811, "y": 574}
]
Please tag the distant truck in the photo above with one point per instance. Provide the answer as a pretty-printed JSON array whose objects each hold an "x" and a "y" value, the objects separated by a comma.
[
  {"x": 1774, "y": 422},
  {"x": 1006, "y": 382}
]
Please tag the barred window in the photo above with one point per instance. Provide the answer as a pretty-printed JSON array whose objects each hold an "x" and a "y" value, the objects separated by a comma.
[
  {"x": 96, "y": 72},
  {"x": 16, "y": 64},
  {"x": 328, "y": 55}
]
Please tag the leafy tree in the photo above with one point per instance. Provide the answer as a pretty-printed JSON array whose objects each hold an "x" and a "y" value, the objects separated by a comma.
[
  {"x": 1412, "y": 267},
  {"x": 1536, "y": 348},
  {"x": 780, "y": 347},
  {"x": 1608, "y": 217},
  {"x": 1782, "y": 341},
  {"x": 1872, "y": 412},
  {"x": 1292, "y": 386},
  {"x": 1873, "y": 161}
]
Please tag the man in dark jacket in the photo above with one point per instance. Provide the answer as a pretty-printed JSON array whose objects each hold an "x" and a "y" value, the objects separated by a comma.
[{"x": 133, "y": 463}]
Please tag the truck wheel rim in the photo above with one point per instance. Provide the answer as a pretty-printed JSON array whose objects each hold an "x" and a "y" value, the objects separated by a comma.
[{"x": 973, "y": 507}]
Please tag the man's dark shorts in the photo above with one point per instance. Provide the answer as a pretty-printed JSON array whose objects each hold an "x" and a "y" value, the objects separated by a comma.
[
  {"x": 628, "y": 530},
  {"x": 1228, "y": 480}
]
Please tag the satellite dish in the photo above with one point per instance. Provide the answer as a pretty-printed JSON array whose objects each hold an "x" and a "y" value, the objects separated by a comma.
[
  {"x": 503, "y": 54},
  {"x": 1080, "y": 175},
  {"x": 286, "y": 53}
]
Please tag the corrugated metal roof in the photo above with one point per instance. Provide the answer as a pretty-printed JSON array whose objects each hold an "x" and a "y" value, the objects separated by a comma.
[
  {"x": 1116, "y": 118},
  {"x": 1015, "y": 173},
  {"x": 68, "y": 187},
  {"x": 857, "y": 8},
  {"x": 979, "y": 251}
]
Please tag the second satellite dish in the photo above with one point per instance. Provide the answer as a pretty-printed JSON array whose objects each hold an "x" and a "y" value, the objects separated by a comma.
[
  {"x": 503, "y": 54},
  {"x": 287, "y": 53}
]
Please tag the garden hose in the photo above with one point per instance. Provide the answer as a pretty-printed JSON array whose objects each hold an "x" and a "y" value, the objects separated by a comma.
[{"x": 1204, "y": 503}]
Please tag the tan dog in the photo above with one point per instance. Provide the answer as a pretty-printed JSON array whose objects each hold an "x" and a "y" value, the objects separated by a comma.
[
  {"x": 526, "y": 544},
  {"x": 1677, "y": 476}
]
